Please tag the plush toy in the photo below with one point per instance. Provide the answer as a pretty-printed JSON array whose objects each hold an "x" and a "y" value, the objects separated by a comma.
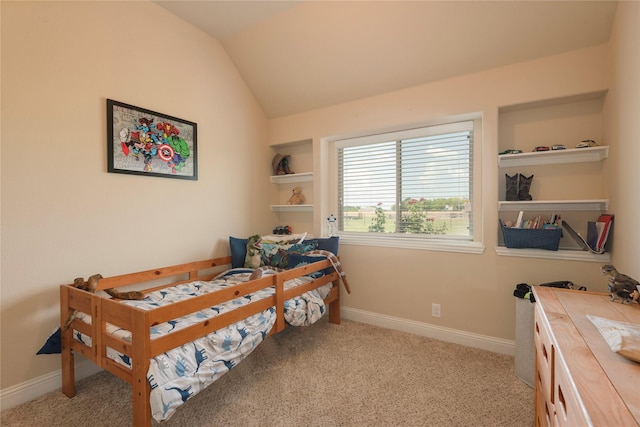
[{"x": 297, "y": 198}]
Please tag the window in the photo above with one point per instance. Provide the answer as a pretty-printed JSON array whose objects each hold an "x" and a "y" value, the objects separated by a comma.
[{"x": 411, "y": 184}]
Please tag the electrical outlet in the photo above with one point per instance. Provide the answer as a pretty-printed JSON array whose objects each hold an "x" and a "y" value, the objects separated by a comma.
[{"x": 435, "y": 310}]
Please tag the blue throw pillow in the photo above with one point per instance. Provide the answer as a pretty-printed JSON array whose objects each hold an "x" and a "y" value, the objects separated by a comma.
[
  {"x": 327, "y": 244},
  {"x": 296, "y": 260},
  {"x": 238, "y": 251},
  {"x": 53, "y": 345}
]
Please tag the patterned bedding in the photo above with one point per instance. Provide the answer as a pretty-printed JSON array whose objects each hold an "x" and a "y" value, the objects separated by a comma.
[{"x": 181, "y": 373}]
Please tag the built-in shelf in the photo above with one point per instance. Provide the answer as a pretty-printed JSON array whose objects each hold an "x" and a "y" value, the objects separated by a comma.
[
  {"x": 554, "y": 205},
  {"x": 291, "y": 208},
  {"x": 290, "y": 178},
  {"x": 552, "y": 157},
  {"x": 562, "y": 254}
]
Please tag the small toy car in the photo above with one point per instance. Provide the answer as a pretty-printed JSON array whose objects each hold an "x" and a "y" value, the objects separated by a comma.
[
  {"x": 558, "y": 147},
  {"x": 586, "y": 143},
  {"x": 511, "y": 152},
  {"x": 541, "y": 148}
]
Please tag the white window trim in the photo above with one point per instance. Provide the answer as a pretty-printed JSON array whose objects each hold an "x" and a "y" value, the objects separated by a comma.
[{"x": 475, "y": 246}]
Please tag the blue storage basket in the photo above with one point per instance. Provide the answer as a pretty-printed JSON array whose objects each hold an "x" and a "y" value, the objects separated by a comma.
[{"x": 532, "y": 238}]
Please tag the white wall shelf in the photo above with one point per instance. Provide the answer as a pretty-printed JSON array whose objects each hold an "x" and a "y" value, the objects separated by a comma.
[
  {"x": 571, "y": 255},
  {"x": 549, "y": 122},
  {"x": 553, "y": 157},
  {"x": 554, "y": 205},
  {"x": 291, "y": 208},
  {"x": 291, "y": 178}
]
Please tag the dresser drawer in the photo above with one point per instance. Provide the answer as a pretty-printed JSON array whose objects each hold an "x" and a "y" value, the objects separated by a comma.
[
  {"x": 544, "y": 356},
  {"x": 544, "y": 411},
  {"x": 569, "y": 410}
]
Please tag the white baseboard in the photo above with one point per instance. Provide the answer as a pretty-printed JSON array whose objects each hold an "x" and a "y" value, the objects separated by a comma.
[
  {"x": 29, "y": 390},
  {"x": 36, "y": 387},
  {"x": 484, "y": 342}
]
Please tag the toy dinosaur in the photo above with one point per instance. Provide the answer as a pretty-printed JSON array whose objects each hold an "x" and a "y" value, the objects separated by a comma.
[
  {"x": 254, "y": 249},
  {"x": 90, "y": 286},
  {"x": 621, "y": 287}
]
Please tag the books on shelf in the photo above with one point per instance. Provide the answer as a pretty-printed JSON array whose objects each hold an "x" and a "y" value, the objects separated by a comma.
[
  {"x": 597, "y": 234},
  {"x": 604, "y": 222},
  {"x": 597, "y": 231},
  {"x": 536, "y": 222}
]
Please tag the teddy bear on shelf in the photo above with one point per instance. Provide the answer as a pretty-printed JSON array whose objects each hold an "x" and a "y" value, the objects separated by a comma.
[{"x": 297, "y": 198}]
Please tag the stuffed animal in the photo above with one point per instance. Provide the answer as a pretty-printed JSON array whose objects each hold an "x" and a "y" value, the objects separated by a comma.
[{"x": 297, "y": 198}]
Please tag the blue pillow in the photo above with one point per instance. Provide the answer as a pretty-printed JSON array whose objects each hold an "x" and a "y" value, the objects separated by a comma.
[
  {"x": 53, "y": 345},
  {"x": 238, "y": 251},
  {"x": 327, "y": 244},
  {"x": 296, "y": 260}
]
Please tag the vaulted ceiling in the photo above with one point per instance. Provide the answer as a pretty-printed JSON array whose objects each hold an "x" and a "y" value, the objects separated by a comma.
[{"x": 302, "y": 55}]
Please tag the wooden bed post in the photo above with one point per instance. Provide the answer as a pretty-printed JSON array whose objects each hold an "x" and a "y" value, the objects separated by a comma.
[
  {"x": 334, "y": 306},
  {"x": 140, "y": 366},
  {"x": 68, "y": 369},
  {"x": 279, "y": 285}
]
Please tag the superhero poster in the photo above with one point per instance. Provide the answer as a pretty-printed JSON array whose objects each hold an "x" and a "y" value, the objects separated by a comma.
[{"x": 143, "y": 142}]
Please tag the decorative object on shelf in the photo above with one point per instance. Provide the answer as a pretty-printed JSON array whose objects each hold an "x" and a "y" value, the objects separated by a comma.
[
  {"x": 558, "y": 147},
  {"x": 597, "y": 234},
  {"x": 512, "y": 187},
  {"x": 297, "y": 198},
  {"x": 511, "y": 152},
  {"x": 332, "y": 226},
  {"x": 280, "y": 164},
  {"x": 586, "y": 143},
  {"x": 144, "y": 142},
  {"x": 518, "y": 187},
  {"x": 541, "y": 148},
  {"x": 282, "y": 229},
  {"x": 621, "y": 287},
  {"x": 524, "y": 186}
]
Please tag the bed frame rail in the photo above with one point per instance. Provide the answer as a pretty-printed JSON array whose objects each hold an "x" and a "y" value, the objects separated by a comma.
[{"x": 193, "y": 269}]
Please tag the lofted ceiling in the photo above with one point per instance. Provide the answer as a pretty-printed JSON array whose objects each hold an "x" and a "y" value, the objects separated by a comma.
[{"x": 301, "y": 55}]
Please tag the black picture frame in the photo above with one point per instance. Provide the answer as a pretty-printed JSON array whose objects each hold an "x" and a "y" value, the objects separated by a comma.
[{"x": 145, "y": 142}]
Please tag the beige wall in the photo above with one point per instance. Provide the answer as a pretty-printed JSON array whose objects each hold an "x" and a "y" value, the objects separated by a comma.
[
  {"x": 622, "y": 130},
  {"x": 475, "y": 291},
  {"x": 63, "y": 215}
]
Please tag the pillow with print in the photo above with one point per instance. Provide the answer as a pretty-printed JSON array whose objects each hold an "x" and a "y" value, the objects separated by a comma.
[
  {"x": 298, "y": 260},
  {"x": 278, "y": 255}
]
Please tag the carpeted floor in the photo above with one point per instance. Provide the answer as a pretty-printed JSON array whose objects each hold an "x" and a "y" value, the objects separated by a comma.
[{"x": 351, "y": 374}]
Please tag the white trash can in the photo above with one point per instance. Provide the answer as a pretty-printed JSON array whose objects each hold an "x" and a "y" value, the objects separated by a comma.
[{"x": 525, "y": 350}]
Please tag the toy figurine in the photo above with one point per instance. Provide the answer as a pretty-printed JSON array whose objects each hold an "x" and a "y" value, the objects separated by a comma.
[{"x": 621, "y": 287}]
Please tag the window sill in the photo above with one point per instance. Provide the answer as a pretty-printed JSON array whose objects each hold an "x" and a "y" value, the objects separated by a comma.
[
  {"x": 562, "y": 254},
  {"x": 439, "y": 245}
]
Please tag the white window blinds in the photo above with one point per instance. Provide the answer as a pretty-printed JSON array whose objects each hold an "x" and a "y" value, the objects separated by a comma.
[{"x": 417, "y": 181}]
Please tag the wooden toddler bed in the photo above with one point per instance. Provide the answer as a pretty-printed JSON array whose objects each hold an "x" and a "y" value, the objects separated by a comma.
[{"x": 122, "y": 336}]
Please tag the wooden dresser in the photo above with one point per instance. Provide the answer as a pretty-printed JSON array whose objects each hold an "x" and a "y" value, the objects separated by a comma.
[{"x": 579, "y": 381}]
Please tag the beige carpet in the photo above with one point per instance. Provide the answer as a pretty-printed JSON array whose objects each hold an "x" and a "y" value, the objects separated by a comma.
[{"x": 324, "y": 375}]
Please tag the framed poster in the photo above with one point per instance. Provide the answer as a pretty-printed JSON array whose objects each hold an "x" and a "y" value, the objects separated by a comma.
[{"x": 144, "y": 142}]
